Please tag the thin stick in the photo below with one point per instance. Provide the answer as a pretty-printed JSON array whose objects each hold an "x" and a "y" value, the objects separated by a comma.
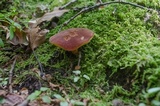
[
  {"x": 11, "y": 76},
  {"x": 40, "y": 65},
  {"x": 66, "y": 5},
  {"x": 72, "y": 18},
  {"x": 102, "y": 4}
]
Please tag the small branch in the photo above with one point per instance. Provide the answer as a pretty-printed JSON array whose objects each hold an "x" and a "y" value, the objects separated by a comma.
[
  {"x": 11, "y": 75},
  {"x": 72, "y": 18},
  {"x": 83, "y": 10},
  {"x": 102, "y": 4},
  {"x": 66, "y": 5},
  {"x": 40, "y": 65}
]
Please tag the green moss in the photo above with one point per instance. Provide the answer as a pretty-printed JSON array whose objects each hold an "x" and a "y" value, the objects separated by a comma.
[
  {"x": 149, "y": 3},
  {"x": 122, "y": 59},
  {"x": 3, "y": 58},
  {"x": 124, "y": 45}
]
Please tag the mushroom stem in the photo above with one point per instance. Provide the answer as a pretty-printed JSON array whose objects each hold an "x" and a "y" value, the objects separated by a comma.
[
  {"x": 79, "y": 60},
  {"x": 75, "y": 52}
]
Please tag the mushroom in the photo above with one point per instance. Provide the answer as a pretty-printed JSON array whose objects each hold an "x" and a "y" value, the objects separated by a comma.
[{"x": 72, "y": 39}]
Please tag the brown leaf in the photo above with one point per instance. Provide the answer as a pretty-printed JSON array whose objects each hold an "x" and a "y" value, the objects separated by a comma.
[
  {"x": 19, "y": 38},
  {"x": 47, "y": 77},
  {"x": 24, "y": 92},
  {"x": 3, "y": 92},
  {"x": 12, "y": 100},
  {"x": 53, "y": 86},
  {"x": 37, "y": 71},
  {"x": 57, "y": 101},
  {"x": 47, "y": 17},
  {"x": 77, "y": 67},
  {"x": 36, "y": 37},
  {"x": 24, "y": 103},
  {"x": 55, "y": 13},
  {"x": 38, "y": 102},
  {"x": 6, "y": 30}
]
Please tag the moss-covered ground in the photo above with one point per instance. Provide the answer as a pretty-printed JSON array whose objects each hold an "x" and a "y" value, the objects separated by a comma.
[{"x": 122, "y": 61}]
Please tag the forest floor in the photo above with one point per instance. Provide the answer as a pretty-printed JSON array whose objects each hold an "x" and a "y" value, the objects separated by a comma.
[{"x": 120, "y": 66}]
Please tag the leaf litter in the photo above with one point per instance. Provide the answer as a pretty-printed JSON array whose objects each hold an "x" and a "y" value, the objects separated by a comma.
[{"x": 31, "y": 36}]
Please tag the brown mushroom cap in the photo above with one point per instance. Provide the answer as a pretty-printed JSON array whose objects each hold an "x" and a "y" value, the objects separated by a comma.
[{"x": 72, "y": 39}]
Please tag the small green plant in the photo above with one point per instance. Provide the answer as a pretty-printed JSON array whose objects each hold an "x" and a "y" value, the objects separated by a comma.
[
  {"x": 37, "y": 93},
  {"x": 64, "y": 102},
  {"x": 1, "y": 43},
  {"x": 1, "y": 100},
  {"x": 45, "y": 95},
  {"x": 9, "y": 29},
  {"x": 78, "y": 75},
  {"x": 3, "y": 81}
]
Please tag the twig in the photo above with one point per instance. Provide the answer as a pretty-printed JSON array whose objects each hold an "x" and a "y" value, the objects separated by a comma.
[
  {"x": 11, "y": 75},
  {"x": 102, "y": 4},
  {"x": 40, "y": 65},
  {"x": 66, "y": 5},
  {"x": 72, "y": 18}
]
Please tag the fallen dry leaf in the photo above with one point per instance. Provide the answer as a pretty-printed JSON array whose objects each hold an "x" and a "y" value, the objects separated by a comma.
[
  {"x": 12, "y": 100},
  {"x": 47, "y": 17},
  {"x": 19, "y": 38},
  {"x": 24, "y": 103},
  {"x": 6, "y": 30},
  {"x": 36, "y": 37},
  {"x": 39, "y": 102},
  {"x": 3, "y": 92},
  {"x": 77, "y": 67},
  {"x": 24, "y": 92},
  {"x": 47, "y": 77},
  {"x": 32, "y": 36},
  {"x": 53, "y": 86},
  {"x": 37, "y": 71},
  {"x": 57, "y": 101}
]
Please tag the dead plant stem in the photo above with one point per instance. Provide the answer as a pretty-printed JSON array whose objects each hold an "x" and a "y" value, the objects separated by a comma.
[
  {"x": 39, "y": 63},
  {"x": 11, "y": 76}
]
